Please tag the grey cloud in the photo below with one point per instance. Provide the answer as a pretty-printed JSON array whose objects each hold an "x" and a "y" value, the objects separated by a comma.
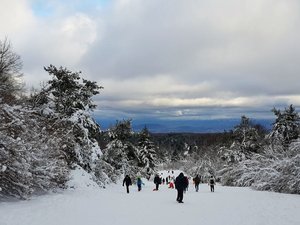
[
  {"x": 174, "y": 57},
  {"x": 198, "y": 42}
]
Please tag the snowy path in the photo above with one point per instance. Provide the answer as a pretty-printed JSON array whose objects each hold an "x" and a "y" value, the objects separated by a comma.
[{"x": 227, "y": 206}]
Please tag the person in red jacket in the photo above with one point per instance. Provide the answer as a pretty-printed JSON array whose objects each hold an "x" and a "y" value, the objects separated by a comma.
[{"x": 171, "y": 185}]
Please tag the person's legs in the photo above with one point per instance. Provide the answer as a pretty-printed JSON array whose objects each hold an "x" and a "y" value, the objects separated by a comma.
[
  {"x": 127, "y": 188},
  {"x": 197, "y": 187},
  {"x": 157, "y": 186},
  {"x": 180, "y": 196}
]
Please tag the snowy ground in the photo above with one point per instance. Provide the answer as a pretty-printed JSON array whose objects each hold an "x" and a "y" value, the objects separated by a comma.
[{"x": 113, "y": 206}]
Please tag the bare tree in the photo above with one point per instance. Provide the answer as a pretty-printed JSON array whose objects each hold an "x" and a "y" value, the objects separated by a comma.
[{"x": 10, "y": 72}]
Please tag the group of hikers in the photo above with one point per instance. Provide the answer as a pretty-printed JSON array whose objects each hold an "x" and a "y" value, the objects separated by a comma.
[{"x": 181, "y": 183}]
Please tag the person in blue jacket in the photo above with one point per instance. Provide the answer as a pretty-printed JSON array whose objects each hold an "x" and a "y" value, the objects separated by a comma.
[{"x": 139, "y": 183}]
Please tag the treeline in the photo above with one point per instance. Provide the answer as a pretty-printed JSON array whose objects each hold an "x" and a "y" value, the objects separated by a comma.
[
  {"x": 45, "y": 135},
  {"x": 248, "y": 155},
  {"x": 176, "y": 146},
  {"x": 257, "y": 158}
]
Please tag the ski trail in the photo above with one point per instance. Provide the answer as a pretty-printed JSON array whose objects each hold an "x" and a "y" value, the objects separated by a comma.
[{"x": 113, "y": 206}]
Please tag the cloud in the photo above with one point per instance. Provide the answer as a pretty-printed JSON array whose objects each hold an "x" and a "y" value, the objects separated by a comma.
[
  {"x": 15, "y": 17},
  {"x": 62, "y": 40},
  {"x": 166, "y": 58}
]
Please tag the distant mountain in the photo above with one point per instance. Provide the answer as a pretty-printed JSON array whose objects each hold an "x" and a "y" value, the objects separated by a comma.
[{"x": 188, "y": 126}]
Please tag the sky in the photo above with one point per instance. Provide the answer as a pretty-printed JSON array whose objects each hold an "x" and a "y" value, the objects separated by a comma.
[{"x": 167, "y": 60}]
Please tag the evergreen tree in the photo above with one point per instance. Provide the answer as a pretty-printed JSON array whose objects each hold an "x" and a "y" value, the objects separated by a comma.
[
  {"x": 66, "y": 91},
  {"x": 147, "y": 152},
  {"x": 120, "y": 152},
  {"x": 286, "y": 126},
  {"x": 32, "y": 155},
  {"x": 68, "y": 99},
  {"x": 246, "y": 135}
]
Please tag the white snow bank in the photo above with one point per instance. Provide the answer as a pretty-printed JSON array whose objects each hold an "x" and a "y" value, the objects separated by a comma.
[{"x": 81, "y": 180}]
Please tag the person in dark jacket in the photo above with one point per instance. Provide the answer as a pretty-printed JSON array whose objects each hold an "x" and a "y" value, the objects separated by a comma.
[
  {"x": 127, "y": 182},
  {"x": 197, "y": 182},
  {"x": 187, "y": 181},
  {"x": 212, "y": 183},
  {"x": 180, "y": 184},
  {"x": 157, "y": 182}
]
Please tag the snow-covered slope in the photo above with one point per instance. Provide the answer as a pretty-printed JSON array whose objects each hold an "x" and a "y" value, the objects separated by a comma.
[{"x": 113, "y": 206}]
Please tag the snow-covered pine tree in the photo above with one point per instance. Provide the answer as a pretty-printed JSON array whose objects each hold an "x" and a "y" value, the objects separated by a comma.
[
  {"x": 247, "y": 142},
  {"x": 286, "y": 127},
  {"x": 262, "y": 172},
  {"x": 68, "y": 98},
  {"x": 246, "y": 136},
  {"x": 68, "y": 93},
  {"x": 276, "y": 167},
  {"x": 32, "y": 160},
  {"x": 147, "y": 153},
  {"x": 120, "y": 152}
]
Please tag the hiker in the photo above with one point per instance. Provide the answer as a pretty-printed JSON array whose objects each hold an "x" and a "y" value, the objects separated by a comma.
[
  {"x": 197, "y": 182},
  {"x": 157, "y": 182},
  {"x": 187, "y": 181},
  {"x": 171, "y": 185},
  {"x": 180, "y": 185},
  {"x": 127, "y": 182},
  {"x": 139, "y": 183},
  {"x": 212, "y": 183}
]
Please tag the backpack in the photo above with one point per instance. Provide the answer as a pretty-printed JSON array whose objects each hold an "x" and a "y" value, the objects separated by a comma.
[
  {"x": 139, "y": 181},
  {"x": 197, "y": 180},
  {"x": 212, "y": 182}
]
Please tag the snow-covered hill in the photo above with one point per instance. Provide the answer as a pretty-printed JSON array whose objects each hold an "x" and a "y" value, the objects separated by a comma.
[{"x": 113, "y": 206}]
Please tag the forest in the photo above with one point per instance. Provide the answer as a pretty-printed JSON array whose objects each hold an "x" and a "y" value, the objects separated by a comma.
[{"x": 48, "y": 132}]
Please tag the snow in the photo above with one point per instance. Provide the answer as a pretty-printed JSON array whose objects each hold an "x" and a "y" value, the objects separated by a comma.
[
  {"x": 4, "y": 167},
  {"x": 81, "y": 180},
  {"x": 113, "y": 206}
]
